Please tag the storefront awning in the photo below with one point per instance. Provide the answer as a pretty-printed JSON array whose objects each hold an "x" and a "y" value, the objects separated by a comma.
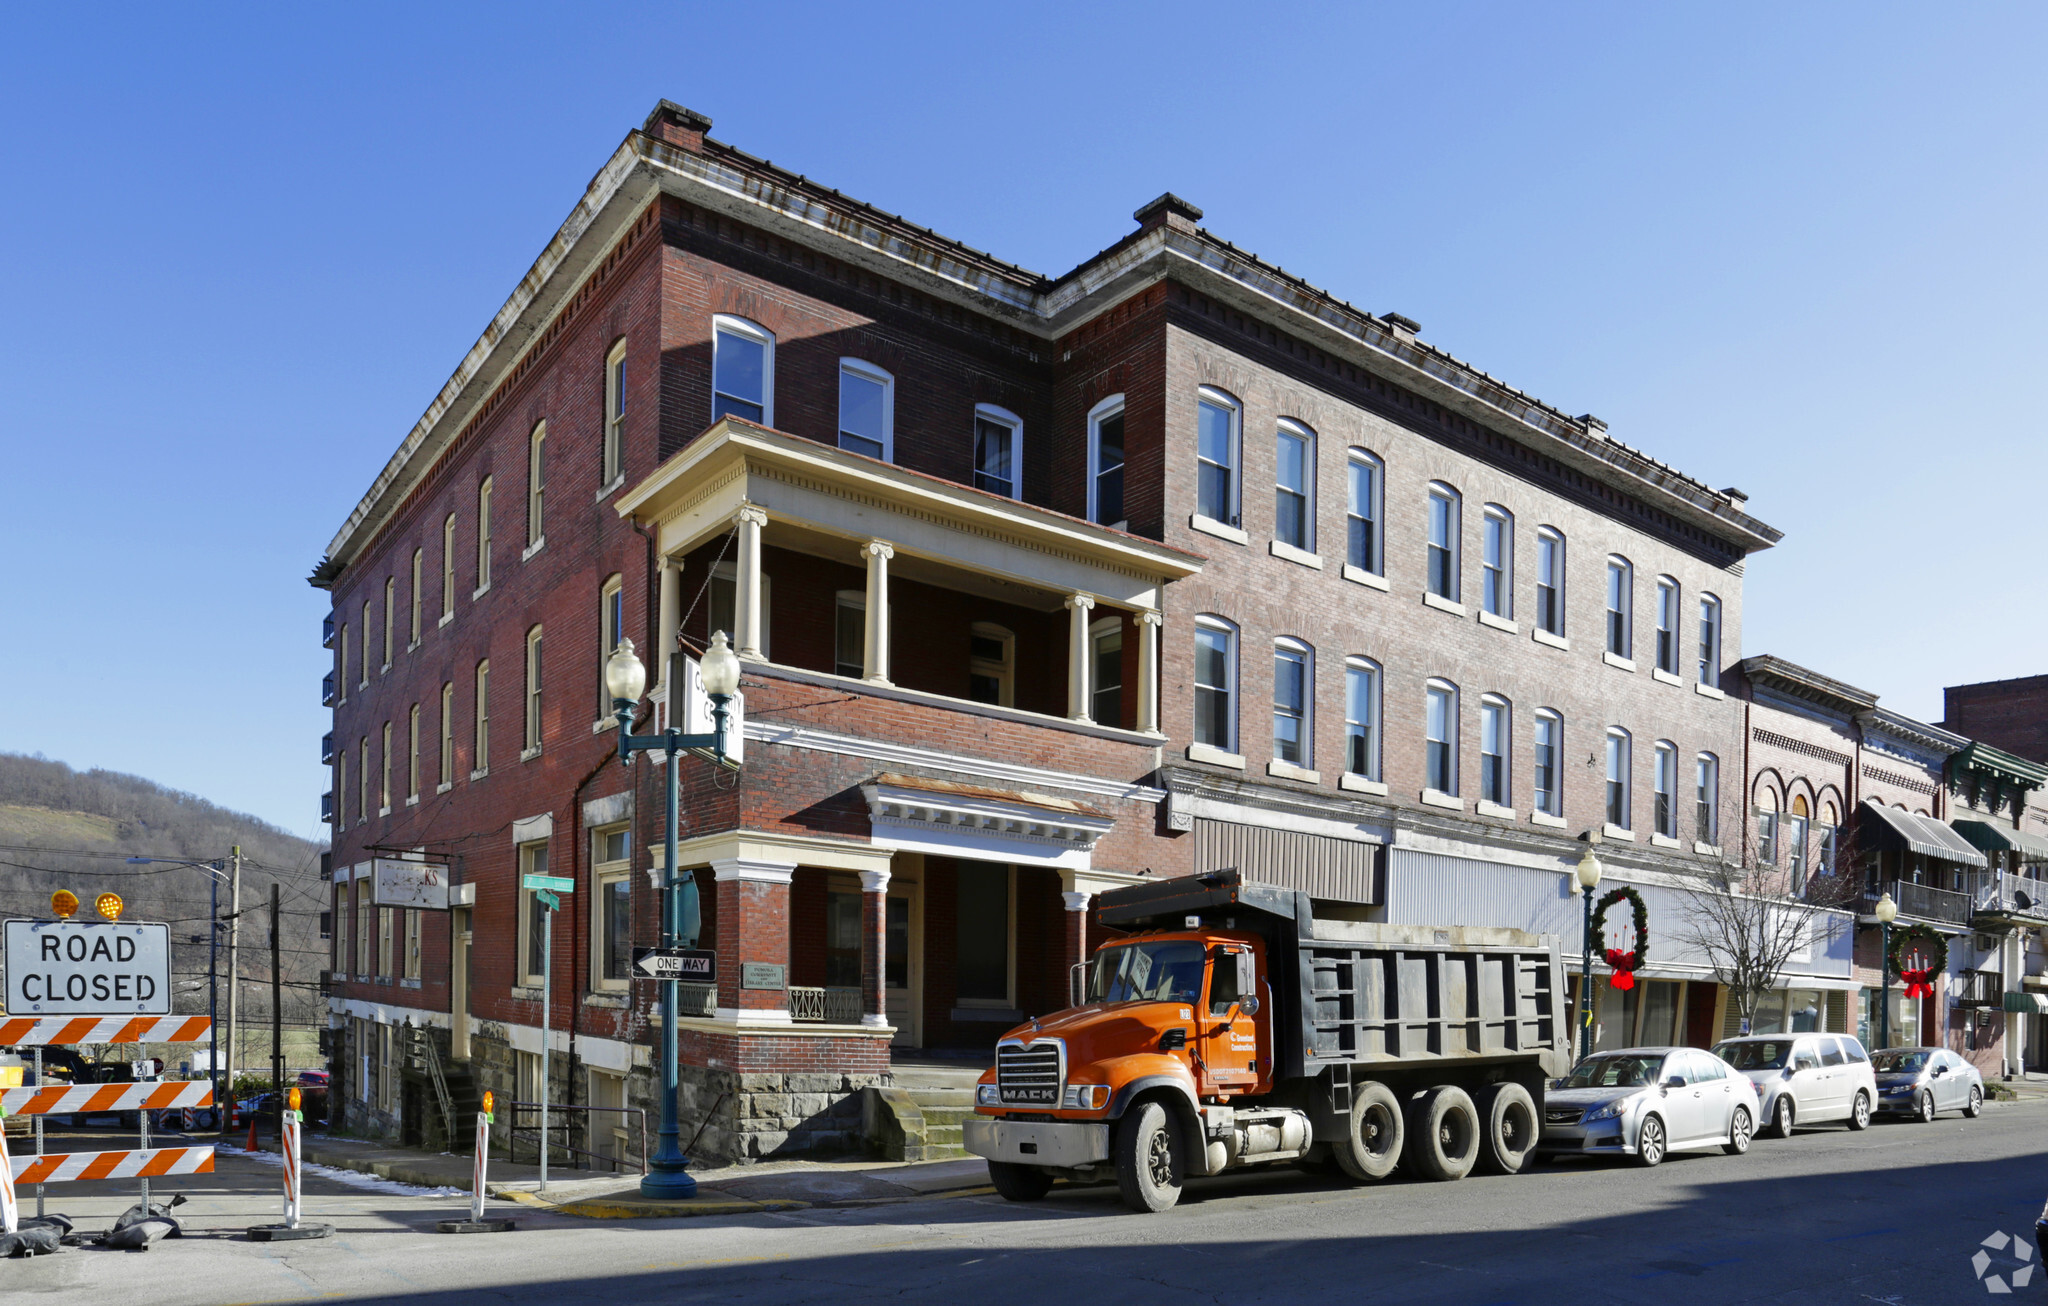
[
  {"x": 1926, "y": 836},
  {"x": 2032, "y": 1004},
  {"x": 1992, "y": 839}
]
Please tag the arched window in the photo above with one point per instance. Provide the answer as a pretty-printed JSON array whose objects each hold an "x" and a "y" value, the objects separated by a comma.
[
  {"x": 1362, "y": 718},
  {"x": 1294, "y": 494},
  {"x": 1217, "y": 437},
  {"x": 483, "y": 720},
  {"x": 1216, "y": 683},
  {"x": 1550, "y": 580},
  {"x": 1549, "y": 762},
  {"x": 1707, "y": 799},
  {"x": 742, "y": 370},
  {"x": 1364, "y": 506},
  {"x": 1293, "y": 682},
  {"x": 533, "y": 683},
  {"x": 1618, "y": 798},
  {"x": 867, "y": 410},
  {"x": 1710, "y": 640},
  {"x": 1497, "y": 562},
  {"x": 1440, "y": 735},
  {"x": 1667, "y": 625},
  {"x": 1766, "y": 814},
  {"x": 1106, "y": 462},
  {"x": 1443, "y": 541},
  {"x": 447, "y": 780},
  {"x": 536, "y": 486},
  {"x": 448, "y": 569},
  {"x": 483, "y": 536},
  {"x": 998, "y": 451},
  {"x": 1495, "y": 730},
  {"x": 1664, "y": 785},
  {"x": 611, "y": 628},
  {"x": 1621, "y": 602},
  {"x": 612, "y": 463},
  {"x": 418, "y": 561}
]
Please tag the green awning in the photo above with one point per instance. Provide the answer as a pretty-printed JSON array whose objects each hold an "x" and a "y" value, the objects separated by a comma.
[
  {"x": 1992, "y": 839},
  {"x": 2031, "y": 1004}
]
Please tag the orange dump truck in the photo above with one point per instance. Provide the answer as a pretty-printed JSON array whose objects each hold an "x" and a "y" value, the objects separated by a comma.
[{"x": 1232, "y": 1028}]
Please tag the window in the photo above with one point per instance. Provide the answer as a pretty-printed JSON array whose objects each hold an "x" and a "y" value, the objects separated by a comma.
[
  {"x": 1294, "y": 510},
  {"x": 341, "y": 645},
  {"x": 341, "y": 789},
  {"x": 1549, "y": 763},
  {"x": 1216, "y": 683},
  {"x": 850, "y": 633},
  {"x": 533, "y": 690},
  {"x": 742, "y": 371},
  {"x": 611, "y": 874},
  {"x": 982, "y": 975},
  {"x": 1710, "y": 640},
  {"x": 1291, "y": 679},
  {"x": 384, "y": 774},
  {"x": 411, "y": 969},
  {"x": 364, "y": 924},
  {"x": 384, "y": 942},
  {"x": 1440, "y": 733},
  {"x": 1664, "y": 783},
  {"x": 418, "y": 557},
  {"x": 612, "y": 464},
  {"x": 448, "y": 567},
  {"x": 866, "y": 403},
  {"x": 1792, "y": 833},
  {"x": 991, "y": 671},
  {"x": 1216, "y": 437},
  {"x": 1497, "y": 563},
  {"x": 1824, "y": 850},
  {"x": 611, "y": 624},
  {"x": 1443, "y": 542},
  {"x": 533, "y": 860},
  {"x": 483, "y": 536},
  {"x": 364, "y": 673},
  {"x": 1106, "y": 671},
  {"x": 338, "y": 962},
  {"x": 1667, "y": 625},
  {"x": 447, "y": 734},
  {"x": 536, "y": 484},
  {"x": 998, "y": 458},
  {"x": 1106, "y": 462},
  {"x": 1707, "y": 799},
  {"x": 363, "y": 779},
  {"x": 1362, "y": 718},
  {"x": 1618, "y": 779},
  {"x": 483, "y": 719},
  {"x": 390, "y": 616},
  {"x": 1549, "y": 580},
  {"x": 1494, "y": 733},
  {"x": 412, "y": 753},
  {"x": 1362, "y": 512},
  {"x": 1766, "y": 837},
  {"x": 1620, "y": 600}
]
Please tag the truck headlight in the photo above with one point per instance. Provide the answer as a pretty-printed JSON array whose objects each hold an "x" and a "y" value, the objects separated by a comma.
[
  {"x": 1085, "y": 1097},
  {"x": 987, "y": 1095}
]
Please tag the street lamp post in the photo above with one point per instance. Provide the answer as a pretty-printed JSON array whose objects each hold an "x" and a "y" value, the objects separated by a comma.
[
  {"x": 626, "y": 680},
  {"x": 1589, "y": 880},
  {"x": 1886, "y": 912}
]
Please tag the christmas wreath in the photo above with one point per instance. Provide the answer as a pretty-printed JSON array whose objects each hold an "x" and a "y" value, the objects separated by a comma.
[
  {"x": 1624, "y": 964},
  {"x": 1918, "y": 943}
]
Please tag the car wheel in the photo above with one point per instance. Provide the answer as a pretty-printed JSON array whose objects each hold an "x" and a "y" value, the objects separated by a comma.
[
  {"x": 1507, "y": 1128},
  {"x": 1923, "y": 1107},
  {"x": 1781, "y": 1117},
  {"x": 1377, "y": 1134},
  {"x": 1859, "y": 1114},
  {"x": 1650, "y": 1141},
  {"x": 1019, "y": 1183},
  {"x": 1444, "y": 1134},
  {"x": 1738, "y": 1133},
  {"x": 1975, "y": 1106},
  {"x": 1149, "y": 1164}
]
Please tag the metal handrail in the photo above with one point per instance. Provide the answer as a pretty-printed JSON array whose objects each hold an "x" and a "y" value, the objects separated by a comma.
[
  {"x": 513, "y": 1130},
  {"x": 830, "y": 1005},
  {"x": 1925, "y": 902}
]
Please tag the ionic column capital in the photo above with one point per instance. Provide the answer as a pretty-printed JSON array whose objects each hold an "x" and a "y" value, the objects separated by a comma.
[
  {"x": 875, "y": 881},
  {"x": 1082, "y": 602},
  {"x": 879, "y": 549},
  {"x": 1149, "y": 617},
  {"x": 749, "y": 515}
]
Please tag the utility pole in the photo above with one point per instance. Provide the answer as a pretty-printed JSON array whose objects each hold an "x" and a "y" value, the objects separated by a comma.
[
  {"x": 221, "y": 1105},
  {"x": 276, "y": 1013}
]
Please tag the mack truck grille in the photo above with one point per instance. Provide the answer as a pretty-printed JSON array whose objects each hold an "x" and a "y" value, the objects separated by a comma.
[{"x": 1030, "y": 1076}]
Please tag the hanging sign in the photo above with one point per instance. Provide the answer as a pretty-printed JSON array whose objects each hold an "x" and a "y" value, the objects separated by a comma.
[
  {"x": 698, "y": 720},
  {"x": 399, "y": 883},
  {"x": 88, "y": 968}
]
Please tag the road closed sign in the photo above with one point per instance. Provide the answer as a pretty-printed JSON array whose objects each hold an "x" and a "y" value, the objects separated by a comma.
[{"x": 88, "y": 968}]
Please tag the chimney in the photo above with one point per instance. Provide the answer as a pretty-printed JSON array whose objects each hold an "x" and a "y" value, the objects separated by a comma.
[
  {"x": 1405, "y": 329},
  {"x": 1594, "y": 426},
  {"x": 680, "y": 127},
  {"x": 1169, "y": 210}
]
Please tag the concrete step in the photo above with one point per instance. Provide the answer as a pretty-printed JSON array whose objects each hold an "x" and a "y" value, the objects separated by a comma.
[
  {"x": 930, "y": 1098},
  {"x": 943, "y": 1136},
  {"x": 935, "y": 1116}
]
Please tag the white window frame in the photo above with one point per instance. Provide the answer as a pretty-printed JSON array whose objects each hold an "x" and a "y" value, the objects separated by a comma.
[
  {"x": 1229, "y": 689},
  {"x": 739, "y": 326},
  {"x": 1497, "y": 528},
  {"x": 1005, "y": 418},
  {"x": 1668, "y": 635},
  {"x": 1374, "y": 515},
  {"x": 536, "y": 487},
  {"x": 1289, "y": 428},
  {"x": 603, "y": 875},
  {"x": 419, "y": 558},
  {"x": 1620, "y": 771},
  {"x": 1454, "y": 503},
  {"x": 1502, "y": 711},
  {"x": 363, "y": 780},
  {"x": 482, "y": 734},
  {"x": 1286, "y": 646},
  {"x": 483, "y": 535},
  {"x": 390, "y": 620},
  {"x": 1366, "y": 725},
  {"x": 531, "y": 703},
  {"x": 447, "y": 568},
  {"x": 867, "y": 371},
  {"x": 1554, "y": 538},
  {"x": 447, "y": 760},
  {"x": 412, "y": 766},
  {"x": 1234, "y": 508},
  {"x": 1707, "y": 799},
  {"x": 611, "y": 613},
  {"x": 364, "y": 682},
  {"x": 1003, "y": 671},
  {"x": 857, "y": 601},
  {"x": 1623, "y": 593},
  {"x": 1664, "y": 788},
  {"x": 525, "y": 943},
  {"x": 1102, "y": 412},
  {"x": 1551, "y": 802},
  {"x": 341, "y": 661},
  {"x": 384, "y": 772},
  {"x": 1448, "y": 692},
  {"x": 1709, "y": 667},
  {"x": 1100, "y": 629},
  {"x": 612, "y": 461},
  {"x": 410, "y": 951}
]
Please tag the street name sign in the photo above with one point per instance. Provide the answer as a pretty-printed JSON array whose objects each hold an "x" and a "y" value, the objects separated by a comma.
[
  {"x": 696, "y": 965},
  {"x": 548, "y": 899},
  {"x": 88, "y": 968},
  {"x": 559, "y": 883}
]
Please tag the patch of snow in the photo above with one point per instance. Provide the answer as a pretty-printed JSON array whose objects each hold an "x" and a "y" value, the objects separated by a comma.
[{"x": 353, "y": 1178}]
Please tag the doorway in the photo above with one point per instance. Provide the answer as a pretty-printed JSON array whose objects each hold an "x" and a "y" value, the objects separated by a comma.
[{"x": 903, "y": 957}]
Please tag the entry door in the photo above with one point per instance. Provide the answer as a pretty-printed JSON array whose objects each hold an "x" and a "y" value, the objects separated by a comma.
[{"x": 903, "y": 962}]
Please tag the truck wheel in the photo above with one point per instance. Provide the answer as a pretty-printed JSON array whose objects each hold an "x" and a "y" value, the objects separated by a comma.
[
  {"x": 1019, "y": 1183},
  {"x": 1150, "y": 1166},
  {"x": 1508, "y": 1128},
  {"x": 1445, "y": 1129},
  {"x": 1374, "y": 1145}
]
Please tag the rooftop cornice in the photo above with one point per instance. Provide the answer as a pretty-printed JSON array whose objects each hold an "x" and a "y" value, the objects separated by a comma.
[
  {"x": 1982, "y": 757},
  {"x": 1795, "y": 681},
  {"x": 1917, "y": 734}
]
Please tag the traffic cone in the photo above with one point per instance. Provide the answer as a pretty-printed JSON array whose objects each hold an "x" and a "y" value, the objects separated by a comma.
[{"x": 252, "y": 1131}]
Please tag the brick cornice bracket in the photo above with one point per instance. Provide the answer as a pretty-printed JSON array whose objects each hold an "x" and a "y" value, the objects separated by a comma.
[{"x": 751, "y": 870}]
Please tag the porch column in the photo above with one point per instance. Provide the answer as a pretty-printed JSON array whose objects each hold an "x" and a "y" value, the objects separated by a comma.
[
  {"x": 1148, "y": 671},
  {"x": 874, "y": 952},
  {"x": 753, "y": 927},
  {"x": 665, "y": 630},
  {"x": 746, "y": 641},
  {"x": 875, "y": 652},
  {"x": 1074, "y": 931},
  {"x": 1079, "y": 606}
]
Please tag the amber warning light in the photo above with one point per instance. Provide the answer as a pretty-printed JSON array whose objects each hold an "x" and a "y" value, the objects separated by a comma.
[
  {"x": 487, "y": 1102},
  {"x": 108, "y": 905},
  {"x": 292, "y": 1097},
  {"x": 63, "y": 904}
]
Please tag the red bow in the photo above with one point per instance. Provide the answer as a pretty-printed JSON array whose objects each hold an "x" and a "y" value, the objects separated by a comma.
[
  {"x": 1916, "y": 982},
  {"x": 1623, "y": 964}
]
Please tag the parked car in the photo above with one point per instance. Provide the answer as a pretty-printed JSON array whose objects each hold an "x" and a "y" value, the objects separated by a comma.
[
  {"x": 1646, "y": 1103},
  {"x": 262, "y": 1106},
  {"x": 1804, "y": 1079},
  {"x": 1920, "y": 1083}
]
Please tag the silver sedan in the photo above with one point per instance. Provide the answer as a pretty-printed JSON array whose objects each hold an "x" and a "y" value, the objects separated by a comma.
[
  {"x": 1646, "y": 1103},
  {"x": 1922, "y": 1082}
]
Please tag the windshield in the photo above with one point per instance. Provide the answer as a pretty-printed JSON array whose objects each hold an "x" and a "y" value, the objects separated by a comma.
[
  {"x": 1148, "y": 972},
  {"x": 1890, "y": 1063},
  {"x": 1756, "y": 1056},
  {"x": 1615, "y": 1072}
]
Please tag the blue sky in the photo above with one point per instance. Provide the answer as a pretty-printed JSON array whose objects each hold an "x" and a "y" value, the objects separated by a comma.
[{"x": 1795, "y": 249}]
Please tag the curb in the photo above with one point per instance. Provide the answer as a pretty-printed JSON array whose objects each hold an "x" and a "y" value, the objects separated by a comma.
[{"x": 610, "y": 1209}]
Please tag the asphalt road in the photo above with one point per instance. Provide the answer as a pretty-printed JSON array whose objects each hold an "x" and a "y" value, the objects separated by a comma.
[{"x": 1892, "y": 1215}]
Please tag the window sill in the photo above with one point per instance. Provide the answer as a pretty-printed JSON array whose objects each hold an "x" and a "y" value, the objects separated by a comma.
[
  {"x": 1436, "y": 799},
  {"x": 1283, "y": 550},
  {"x": 1663, "y": 841},
  {"x": 527, "y": 755},
  {"x": 1706, "y": 849},
  {"x": 413, "y": 647},
  {"x": 1484, "y": 808},
  {"x": 1663, "y": 677},
  {"x": 1542, "y": 636},
  {"x": 611, "y": 489},
  {"x": 1545, "y": 818},
  {"x": 384, "y": 811},
  {"x": 613, "y": 995},
  {"x": 1707, "y": 691},
  {"x": 479, "y": 592},
  {"x": 408, "y": 984},
  {"x": 1289, "y": 771},
  {"x": 1360, "y": 576},
  {"x": 607, "y": 723},
  {"x": 412, "y": 800},
  {"x": 1499, "y": 623},
  {"x": 1358, "y": 784},
  {"x": 1612, "y": 831},
  {"x": 1210, "y": 526},
  {"x": 479, "y": 773},
  {"x": 1626, "y": 664},
  {"x": 445, "y": 786},
  {"x": 1214, "y": 756},
  {"x": 446, "y": 617},
  {"x": 384, "y": 670},
  {"x": 533, "y": 548},
  {"x": 1443, "y": 604}
]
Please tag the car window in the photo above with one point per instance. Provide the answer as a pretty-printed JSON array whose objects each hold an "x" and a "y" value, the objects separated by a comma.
[
  {"x": 1831, "y": 1052},
  {"x": 1709, "y": 1067},
  {"x": 1854, "y": 1049},
  {"x": 1222, "y": 983},
  {"x": 1804, "y": 1059},
  {"x": 1761, "y": 1054},
  {"x": 1613, "y": 1071},
  {"x": 1896, "y": 1061},
  {"x": 1678, "y": 1066}
]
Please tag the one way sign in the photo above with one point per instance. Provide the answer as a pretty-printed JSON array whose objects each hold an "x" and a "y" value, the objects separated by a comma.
[{"x": 697, "y": 965}]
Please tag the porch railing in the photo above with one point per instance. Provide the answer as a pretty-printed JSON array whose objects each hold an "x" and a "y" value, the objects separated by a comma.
[
  {"x": 1924, "y": 902},
  {"x": 2004, "y": 894},
  {"x": 696, "y": 999},
  {"x": 1979, "y": 988},
  {"x": 831, "y": 1006}
]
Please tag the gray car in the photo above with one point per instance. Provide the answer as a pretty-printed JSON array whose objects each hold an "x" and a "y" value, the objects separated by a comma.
[
  {"x": 1646, "y": 1103},
  {"x": 1804, "y": 1078},
  {"x": 1920, "y": 1083}
]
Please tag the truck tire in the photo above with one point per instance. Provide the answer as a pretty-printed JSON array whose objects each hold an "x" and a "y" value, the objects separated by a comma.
[
  {"x": 1375, "y": 1140},
  {"x": 1508, "y": 1128},
  {"x": 1150, "y": 1160},
  {"x": 1443, "y": 1133},
  {"x": 1019, "y": 1183}
]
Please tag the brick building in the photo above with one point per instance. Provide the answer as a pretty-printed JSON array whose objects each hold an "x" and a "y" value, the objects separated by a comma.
[{"x": 1041, "y": 586}]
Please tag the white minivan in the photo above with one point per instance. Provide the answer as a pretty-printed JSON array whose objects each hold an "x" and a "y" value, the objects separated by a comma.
[{"x": 1804, "y": 1079}]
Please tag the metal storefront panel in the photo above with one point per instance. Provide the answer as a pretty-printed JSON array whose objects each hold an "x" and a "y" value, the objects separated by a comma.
[{"x": 1346, "y": 870}]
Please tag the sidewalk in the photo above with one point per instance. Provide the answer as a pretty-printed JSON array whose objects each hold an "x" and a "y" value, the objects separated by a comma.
[{"x": 726, "y": 1190}]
